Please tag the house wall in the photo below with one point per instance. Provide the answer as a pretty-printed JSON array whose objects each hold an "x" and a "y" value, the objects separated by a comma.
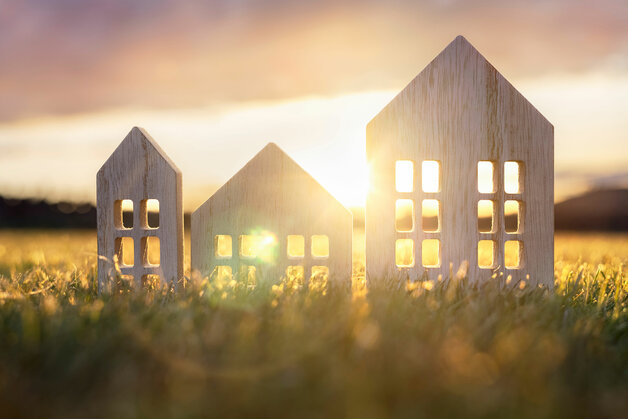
[
  {"x": 459, "y": 111},
  {"x": 137, "y": 171}
]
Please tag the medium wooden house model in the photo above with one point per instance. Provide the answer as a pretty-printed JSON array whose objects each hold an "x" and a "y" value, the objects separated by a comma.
[
  {"x": 140, "y": 213},
  {"x": 461, "y": 173},
  {"x": 272, "y": 219}
]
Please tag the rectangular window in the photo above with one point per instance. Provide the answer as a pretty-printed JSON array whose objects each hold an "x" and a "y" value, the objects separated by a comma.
[
  {"x": 296, "y": 275},
  {"x": 295, "y": 246},
  {"x": 404, "y": 253},
  {"x": 149, "y": 213},
  {"x": 320, "y": 246},
  {"x": 512, "y": 254},
  {"x": 223, "y": 246},
  {"x": 486, "y": 216},
  {"x": 151, "y": 281},
  {"x": 123, "y": 214},
  {"x": 404, "y": 175},
  {"x": 222, "y": 272},
  {"x": 404, "y": 215},
  {"x": 124, "y": 251},
  {"x": 486, "y": 254},
  {"x": 430, "y": 219},
  {"x": 319, "y": 279},
  {"x": 430, "y": 253},
  {"x": 150, "y": 249},
  {"x": 512, "y": 217},
  {"x": 512, "y": 177},
  {"x": 430, "y": 176},
  {"x": 485, "y": 177},
  {"x": 248, "y": 246}
]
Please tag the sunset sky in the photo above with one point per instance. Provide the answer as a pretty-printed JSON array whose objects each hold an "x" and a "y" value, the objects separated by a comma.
[{"x": 214, "y": 81}]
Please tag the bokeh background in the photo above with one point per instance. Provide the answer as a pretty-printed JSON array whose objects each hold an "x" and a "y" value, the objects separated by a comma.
[{"x": 214, "y": 81}]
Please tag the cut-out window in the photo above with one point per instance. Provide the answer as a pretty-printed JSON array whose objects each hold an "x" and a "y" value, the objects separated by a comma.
[
  {"x": 404, "y": 215},
  {"x": 125, "y": 251},
  {"x": 320, "y": 246},
  {"x": 486, "y": 216},
  {"x": 512, "y": 177},
  {"x": 319, "y": 279},
  {"x": 123, "y": 214},
  {"x": 486, "y": 254},
  {"x": 512, "y": 216},
  {"x": 151, "y": 281},
  {"x": 223, "y": 246},
  {"x": 248, "y": 274},
  {"x": 430, "y": 215},
  {"x": 485, "y": 177},
  {"x": 296, "y": 274},
  {"x": 404, "y": 175},
  {"x": 430, "y": 176},
  {"x": 404, "y": 252},
  {"x": 295, "y": 246},
  {"x": 151, "y": 251},
  {"x": 512, "y": 254},
  {"x": 223, "y": 272},
  {"x": 149, "y": 212},
  {"x": 249, "y": 246},
  {"x": 430, "y": 253}
]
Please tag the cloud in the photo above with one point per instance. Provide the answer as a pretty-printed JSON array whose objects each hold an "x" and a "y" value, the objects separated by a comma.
[{"x": 67, "y": 56}]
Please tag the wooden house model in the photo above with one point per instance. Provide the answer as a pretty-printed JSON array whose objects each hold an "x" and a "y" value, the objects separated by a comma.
[
  {"x": 140, "y": 213},
  {"x": 270, "y": 219},
  {"x": 461, "y": 173}
]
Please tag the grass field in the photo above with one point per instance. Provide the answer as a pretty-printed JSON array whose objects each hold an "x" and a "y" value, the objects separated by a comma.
[{"x": 429, "y": 349}]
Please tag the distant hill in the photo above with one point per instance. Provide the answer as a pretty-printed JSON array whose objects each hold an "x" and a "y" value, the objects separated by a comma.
[{"x": 600, "y": 210}]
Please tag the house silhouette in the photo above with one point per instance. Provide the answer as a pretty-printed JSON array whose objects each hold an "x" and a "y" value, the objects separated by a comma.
[
  {"x": 136, "y": 179},
  {"x": 272, "y": 217},
  {"x": 461, "y": 175}
]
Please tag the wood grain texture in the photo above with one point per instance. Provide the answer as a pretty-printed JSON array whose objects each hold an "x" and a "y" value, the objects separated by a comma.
[
  {"x": 459, "y": 110},
  {"x": 138, "y": 170},
  {"x": 273, "y": 195}
]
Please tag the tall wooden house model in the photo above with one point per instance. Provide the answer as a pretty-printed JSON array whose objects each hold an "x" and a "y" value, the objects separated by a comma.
[
  {"x": 140, "y": 213},
  {"x": 272, "y": 218},
  {"x": 461, "y": 170}
]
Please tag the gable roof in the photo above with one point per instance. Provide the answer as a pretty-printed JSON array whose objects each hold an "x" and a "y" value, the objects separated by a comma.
[
  {"x": 459, "y": 47},
  {"x": 273, "y": 162},
  {"x": 136, "y": 138}
]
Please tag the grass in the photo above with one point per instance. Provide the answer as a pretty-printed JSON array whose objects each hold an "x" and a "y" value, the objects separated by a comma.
[{"x": 219, "y": 348}]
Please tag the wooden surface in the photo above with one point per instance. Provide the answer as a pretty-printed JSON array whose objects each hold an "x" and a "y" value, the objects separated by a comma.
[
  {"x": 460, "y": 110},
  {"x": 273, "y": 195},
  {"x": 137, "y": 170}
]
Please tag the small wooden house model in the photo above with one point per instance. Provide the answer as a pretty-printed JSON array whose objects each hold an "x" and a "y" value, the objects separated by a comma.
[
  {"x": 461, "y": 173},
  {"x": 140, "y": 213},
  {"x": 271, "y": 219}
]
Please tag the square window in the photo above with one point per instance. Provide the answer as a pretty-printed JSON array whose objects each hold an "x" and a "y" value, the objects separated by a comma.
[
  {"x": 430, "y": 219},
  {"x": 296, "y": 275},
  {"x": 149, "y": 213},
  {"x": 319, "y": 279},
  {"x": 485, "y": 177},
  {"x": 223, "y": 246},
  {"x": 295, "y": 246},
  {"x": 430, "y": 176},
  {"x": 430, "y": 253},
  {"x": 404, "y": 215},
  {"x": 404, "y": 175},
  {"x": 222, "y": 272},
  {"x": 125, "y": 251},
  {"x": 512, "y": 254},
  {"x": 123, "y": 214},
  {"x": 151, "y": 251},
  {"x": 512, "y": 177},
  {"x": 151, "y": 281},
  {"x": 486, "y": 216},
  {"x": 249, "y": 246},
  {"x": 320, "y": 246},
  {"x": 486, "y": 254},
  {"x": 512, "y": 216},
  {"x": 404, "y": 253}
]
